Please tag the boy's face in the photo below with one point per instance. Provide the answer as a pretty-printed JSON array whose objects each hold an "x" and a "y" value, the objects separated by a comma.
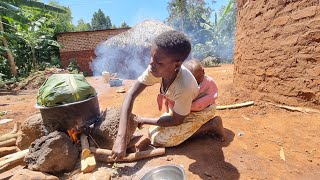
[
  {"x": 162, "y": 65},
  {"x": 198, "y": 74}
]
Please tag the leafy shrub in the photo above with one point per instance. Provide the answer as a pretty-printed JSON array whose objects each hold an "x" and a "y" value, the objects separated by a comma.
[{"x": 73, "y": 66}]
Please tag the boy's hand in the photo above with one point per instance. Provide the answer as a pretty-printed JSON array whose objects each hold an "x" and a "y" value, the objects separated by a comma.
[{"x": 118, "y": 149}]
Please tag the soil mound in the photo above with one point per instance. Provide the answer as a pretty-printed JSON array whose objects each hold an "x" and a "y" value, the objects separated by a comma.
[
  {"x": 54, "y": 153},
  {"x": 105, "y": 131},
  {"x": 36, "y": 79}
]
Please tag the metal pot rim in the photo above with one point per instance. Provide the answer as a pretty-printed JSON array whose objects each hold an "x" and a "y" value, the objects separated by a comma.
[
  {"x": 64, "y": 105},
  {"x": 159, "y": 168}
]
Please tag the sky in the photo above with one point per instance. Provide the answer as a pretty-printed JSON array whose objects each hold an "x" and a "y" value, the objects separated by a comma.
[{"x": 119, "y": 11}]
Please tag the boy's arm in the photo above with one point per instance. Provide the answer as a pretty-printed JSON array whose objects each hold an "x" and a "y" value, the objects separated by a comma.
[
  {"x": 202, "y": 102},
  {"x": 119, "y": 146},
  {"x": 163, "y": 121}
]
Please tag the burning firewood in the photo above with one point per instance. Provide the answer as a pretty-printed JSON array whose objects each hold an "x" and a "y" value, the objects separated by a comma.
[
  {"x": 103, "y": 155},
  {"x": 88, "y": 162}
]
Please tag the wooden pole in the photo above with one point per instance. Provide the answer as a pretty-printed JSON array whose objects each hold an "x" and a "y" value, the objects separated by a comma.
[
  {"x": 9, "y": 53},
  {"x": 9, "y": 142},
  {"x": 103, "y": 155},
  {"x": 12, "y": 159},
  {"x": 12, "y": 134},
  {"x": 234, "y": 106},
  {"x": 8, "y": 150}
]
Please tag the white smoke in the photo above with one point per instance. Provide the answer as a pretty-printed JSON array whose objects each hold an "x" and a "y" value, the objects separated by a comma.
[{"x": 127, "y": 54}]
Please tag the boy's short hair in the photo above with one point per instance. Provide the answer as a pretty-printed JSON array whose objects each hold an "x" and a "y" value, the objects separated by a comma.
[
  {"x": 175, "y": 43},
  {"x": 193, "y": 65}
]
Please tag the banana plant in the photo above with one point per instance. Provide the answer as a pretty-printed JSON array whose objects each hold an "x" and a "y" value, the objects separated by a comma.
[
  {"x": 214, "y": 31},
  {"x": 10, "y": 10}
]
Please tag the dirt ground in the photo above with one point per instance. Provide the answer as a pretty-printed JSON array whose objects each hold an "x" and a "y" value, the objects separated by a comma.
[{"x": 255, "y": 135}]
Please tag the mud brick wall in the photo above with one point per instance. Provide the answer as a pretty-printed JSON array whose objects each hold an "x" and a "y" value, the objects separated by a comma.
[
  {"x": 81, "y": 46},
  {"x": 277, "y": 51}
]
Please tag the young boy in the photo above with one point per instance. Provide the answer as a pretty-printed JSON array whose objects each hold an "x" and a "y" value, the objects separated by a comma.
[
  {"x": 178, "y": 87},
  {"x": 208, "y": 91}
]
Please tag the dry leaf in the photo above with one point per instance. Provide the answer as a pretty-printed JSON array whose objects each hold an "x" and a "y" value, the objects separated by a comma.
[{"x": 282, "y": 157}]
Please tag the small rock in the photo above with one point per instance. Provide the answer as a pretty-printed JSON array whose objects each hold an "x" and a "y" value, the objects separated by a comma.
[
  {"x": 310, "y": 160},
  {"x": 100, "y": 173},
  {"x": 241, "y": 134},
  {"x": 121, "y": 90}
]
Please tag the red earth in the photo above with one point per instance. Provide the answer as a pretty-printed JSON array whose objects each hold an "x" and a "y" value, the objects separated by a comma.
[{"x": 255, "y": 135}]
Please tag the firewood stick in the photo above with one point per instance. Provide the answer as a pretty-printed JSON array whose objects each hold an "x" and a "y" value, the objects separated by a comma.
[
  {"x": 8, "y": 150},
  {"x": 106, "y": 152},
  {"x": 17, "y": 154},
  {"x": 9, "y": 142},
  {"x": 12, "y": 159},
  {"x": 12, "y": 134},
  {"x": 103, "y": 154},
  {"x": 88, "y": 162},
  {"x": 8, "y": 136},
  {"x": 234, "y": 106},
  {"x": 84, "y": 145},
  {"x": 16, "y": 127},
  {"x": 300, "y": 109}
]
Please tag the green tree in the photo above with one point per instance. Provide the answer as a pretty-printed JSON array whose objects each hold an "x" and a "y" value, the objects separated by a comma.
[
  {"x": 220, "y": 34},
  {"x": 63, "y": 22},
  {"x": 11, "y": 11},
  {"x": 114, "y": 26},
  {"x": 185, "y": 15},
  {"x": 83, "y": 26},
  {"x": 108, "y": 22},
  {"x": 99, "y": 21},
  {"x": 124, "y": 25}
]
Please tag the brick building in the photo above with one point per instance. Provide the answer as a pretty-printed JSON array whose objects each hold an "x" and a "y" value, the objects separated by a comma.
[
  {"x": 81, "y": 45},
  {"x": 277, "y": 51}
]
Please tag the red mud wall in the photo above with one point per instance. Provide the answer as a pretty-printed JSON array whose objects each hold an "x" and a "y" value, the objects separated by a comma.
[
  {"x": 277, "y": 51},
  {"x": 81, "y": 46}
]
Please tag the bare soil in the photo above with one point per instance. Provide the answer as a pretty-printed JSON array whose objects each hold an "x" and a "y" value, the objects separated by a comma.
[{"x": 255, "y": 135}]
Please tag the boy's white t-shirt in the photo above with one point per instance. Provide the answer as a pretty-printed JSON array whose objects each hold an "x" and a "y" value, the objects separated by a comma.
[{"x": 182, "y": 91}]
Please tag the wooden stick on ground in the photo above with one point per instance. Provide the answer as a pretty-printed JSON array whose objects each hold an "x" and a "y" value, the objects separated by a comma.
[
  {"x": 300, "y": 109},
  {"x": 16, "y": 127},
  {"x": 88, "y": 162},
  {"x": 9, "y": 142},
  {"x": 12, "y": 134},
  {"x": 103, "y": 154},
  {"x": 12, "y": 159},
  {"x": 8, "y": 150},
  {"x": 234, "y": 106}
]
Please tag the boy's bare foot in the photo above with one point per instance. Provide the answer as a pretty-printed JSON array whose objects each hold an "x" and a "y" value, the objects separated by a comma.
[
  {"x": 213, "y": 127},
  {"x": 218, "y": 131}
]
